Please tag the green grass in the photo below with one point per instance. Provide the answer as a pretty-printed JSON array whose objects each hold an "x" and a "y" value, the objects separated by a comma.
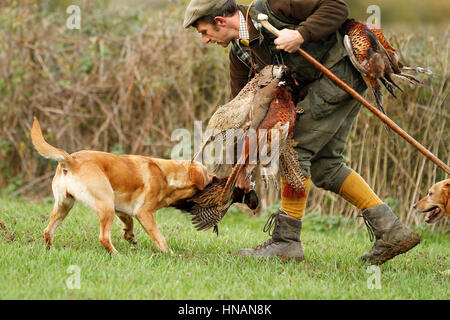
[{"x": 204, "y": 266}]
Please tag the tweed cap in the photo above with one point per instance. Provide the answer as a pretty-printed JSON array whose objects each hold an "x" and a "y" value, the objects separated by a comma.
[{"x": 200, "y": 8}]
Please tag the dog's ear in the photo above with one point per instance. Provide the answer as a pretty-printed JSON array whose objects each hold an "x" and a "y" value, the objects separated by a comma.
[
  {"x": 198, "y": 177},
  {"x": 446, "y": 195},
  {"x": 446, "y": 189}
]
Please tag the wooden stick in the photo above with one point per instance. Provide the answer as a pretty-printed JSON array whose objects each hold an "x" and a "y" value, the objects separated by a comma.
[{"x": 263, "y": 19}]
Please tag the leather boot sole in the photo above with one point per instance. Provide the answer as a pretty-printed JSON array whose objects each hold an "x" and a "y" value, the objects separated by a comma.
[
  {"x": 286, "y": 258},
  {"x": 395, "y": 249}
]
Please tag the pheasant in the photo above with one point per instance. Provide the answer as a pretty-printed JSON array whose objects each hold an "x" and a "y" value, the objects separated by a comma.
[
  {"x": 281, "y": 115},
  {"x": 376, "y": 60},
  {"x": 204, "y": 207},
  {"x": 246, "y": 110}
]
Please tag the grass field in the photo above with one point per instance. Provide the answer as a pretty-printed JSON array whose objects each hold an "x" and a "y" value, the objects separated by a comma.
[
  {"x": 202, "y": 265},
  {"x": 121, "y": 85}
]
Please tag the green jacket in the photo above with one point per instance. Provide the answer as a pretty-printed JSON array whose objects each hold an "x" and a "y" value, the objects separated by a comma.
[{"x": 316, "y": 20}]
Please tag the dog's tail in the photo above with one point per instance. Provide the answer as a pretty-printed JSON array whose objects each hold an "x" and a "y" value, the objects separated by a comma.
[{"x": 46, "y": 150}]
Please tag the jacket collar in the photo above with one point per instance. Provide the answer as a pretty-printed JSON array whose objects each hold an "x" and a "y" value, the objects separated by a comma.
[{"x": 253, "y": 32}]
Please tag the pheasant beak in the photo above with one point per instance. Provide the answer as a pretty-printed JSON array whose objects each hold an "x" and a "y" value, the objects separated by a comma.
[{"x": 295, "y": 80}]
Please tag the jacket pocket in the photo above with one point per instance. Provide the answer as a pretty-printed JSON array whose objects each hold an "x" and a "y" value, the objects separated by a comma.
[{"x": 326, "y": 96}]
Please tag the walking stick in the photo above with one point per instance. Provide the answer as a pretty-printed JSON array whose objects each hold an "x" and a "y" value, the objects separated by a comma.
[{"x": 263, "y": 19}]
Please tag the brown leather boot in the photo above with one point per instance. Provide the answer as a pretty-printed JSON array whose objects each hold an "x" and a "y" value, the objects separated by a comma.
[
  {"x": 391, "y": 235},
  {"x": 285, "y": 242}
]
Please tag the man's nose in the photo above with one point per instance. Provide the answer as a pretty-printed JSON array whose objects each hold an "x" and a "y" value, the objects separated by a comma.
[{"x": 205, "y": 39}]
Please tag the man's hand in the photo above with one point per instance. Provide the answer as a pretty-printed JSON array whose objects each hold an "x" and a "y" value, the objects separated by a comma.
[{"x": 289, "y": 40}]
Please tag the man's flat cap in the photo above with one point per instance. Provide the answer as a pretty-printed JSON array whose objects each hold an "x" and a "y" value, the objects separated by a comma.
[{"x": 200, "y": 8}]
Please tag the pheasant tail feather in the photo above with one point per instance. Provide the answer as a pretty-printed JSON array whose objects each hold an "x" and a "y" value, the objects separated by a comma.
[{"x": 291, "y": 170}]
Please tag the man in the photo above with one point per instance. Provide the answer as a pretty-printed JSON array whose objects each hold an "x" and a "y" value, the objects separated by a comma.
[{"x": 328, "y": 112}]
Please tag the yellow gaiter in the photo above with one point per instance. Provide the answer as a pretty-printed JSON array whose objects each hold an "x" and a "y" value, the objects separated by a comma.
[
  {"x": 294, "y": 206},
  {"x": 356, "y": 191}
]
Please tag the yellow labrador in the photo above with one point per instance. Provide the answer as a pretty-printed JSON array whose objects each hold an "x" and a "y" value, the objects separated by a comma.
[
  {"x": 436, "y": 202},
  {"x": 127, "y": 185}
]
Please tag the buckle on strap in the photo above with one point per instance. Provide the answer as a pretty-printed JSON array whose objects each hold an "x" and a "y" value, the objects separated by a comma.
[{"x": 370, "y": 228}]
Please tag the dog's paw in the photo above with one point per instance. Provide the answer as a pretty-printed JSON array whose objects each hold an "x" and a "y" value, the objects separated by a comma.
[
  {"x": 130, "y": 238},
  {"x": 132, "y": 241}
]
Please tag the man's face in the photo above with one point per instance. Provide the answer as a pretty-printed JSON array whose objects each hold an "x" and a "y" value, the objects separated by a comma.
[{"x": 215, "y": 33}]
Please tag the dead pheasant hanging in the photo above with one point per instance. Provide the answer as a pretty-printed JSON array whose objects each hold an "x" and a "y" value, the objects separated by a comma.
[
  {"x": 246, "y": 110},
  {"x": 279, "y": 118},
  {"x": 375, "y": 59}
]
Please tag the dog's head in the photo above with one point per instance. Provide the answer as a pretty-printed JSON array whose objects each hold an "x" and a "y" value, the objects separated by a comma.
[
  {"x": 199, "y": 175},
  {"x": 436, "y": 203}
]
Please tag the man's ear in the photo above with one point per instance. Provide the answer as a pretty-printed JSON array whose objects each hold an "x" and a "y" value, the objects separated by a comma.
[{"x": 220, "y": 21}]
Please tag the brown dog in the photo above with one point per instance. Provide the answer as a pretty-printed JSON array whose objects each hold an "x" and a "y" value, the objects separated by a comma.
[
  {"x": 436, "y": 202},
  {"x": 127, "y": 185}
]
